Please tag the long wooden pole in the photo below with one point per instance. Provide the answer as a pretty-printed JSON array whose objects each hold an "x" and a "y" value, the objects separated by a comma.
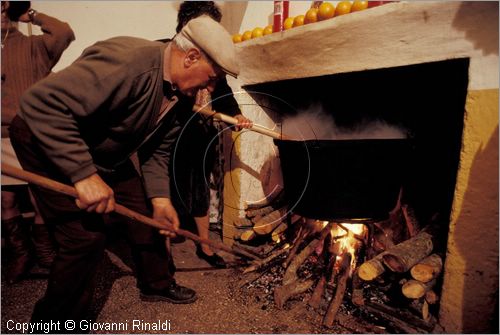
[
  {"x": 56, "y": 186},
  {"x": 231, "y": 120}
]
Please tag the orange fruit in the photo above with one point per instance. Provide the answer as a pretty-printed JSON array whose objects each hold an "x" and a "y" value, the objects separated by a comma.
[
  {"x": 298, "y": 21},
  {"x": 343, "y": 7},
  {"x": 358, "y": 5},
  {"x": 236, "y": 38},
  {"x": 268, "y": 30},
  {"x": 246, "y": 35},
  {"x": 288, "y": 23},
  {"x": 326, "y": 11},
  {"x": 311, "y": 16},
  {"x": 257, "y": 32}
]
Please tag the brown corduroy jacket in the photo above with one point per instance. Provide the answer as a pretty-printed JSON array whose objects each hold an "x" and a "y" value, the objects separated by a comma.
[{"x": 27, "y": 59}]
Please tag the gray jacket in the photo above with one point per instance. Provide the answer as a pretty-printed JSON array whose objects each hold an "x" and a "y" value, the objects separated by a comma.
[{"x": 103, "y": 108}]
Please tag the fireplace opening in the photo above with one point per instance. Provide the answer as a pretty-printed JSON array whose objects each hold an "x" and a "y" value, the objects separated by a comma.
[{"x": 426, "y": 102}]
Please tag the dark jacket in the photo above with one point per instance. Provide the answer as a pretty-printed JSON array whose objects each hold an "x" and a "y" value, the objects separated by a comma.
[{"x": 103, "y": 108}]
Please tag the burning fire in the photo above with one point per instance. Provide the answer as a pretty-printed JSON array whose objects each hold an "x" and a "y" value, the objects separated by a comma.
[{"x": 347, "y": 238}]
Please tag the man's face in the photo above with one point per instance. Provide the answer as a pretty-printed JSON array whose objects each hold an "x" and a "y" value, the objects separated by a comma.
[{"x": 198, "y": 74}]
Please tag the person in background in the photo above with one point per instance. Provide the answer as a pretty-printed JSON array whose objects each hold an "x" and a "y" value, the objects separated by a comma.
[
  {"x": 196, "y": 154},
  {"x": 81, "y": 125},
  {"x": 25, "y": 60}
]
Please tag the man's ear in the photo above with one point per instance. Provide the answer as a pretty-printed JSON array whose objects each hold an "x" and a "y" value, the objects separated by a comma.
[{"x": 192, "y": 56}]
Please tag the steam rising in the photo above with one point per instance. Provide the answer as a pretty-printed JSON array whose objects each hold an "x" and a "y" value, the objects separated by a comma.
[{"x": 315, "y": 123}]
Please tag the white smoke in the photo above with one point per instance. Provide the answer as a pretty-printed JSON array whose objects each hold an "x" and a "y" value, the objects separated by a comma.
[{"x": 316, "y": 123}]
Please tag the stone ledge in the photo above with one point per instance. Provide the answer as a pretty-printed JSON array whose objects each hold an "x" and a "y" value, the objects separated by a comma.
[{"x": 393, "y": 34}]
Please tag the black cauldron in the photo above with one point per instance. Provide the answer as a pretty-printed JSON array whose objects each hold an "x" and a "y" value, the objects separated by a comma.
[{"x": 343, "y": 179}]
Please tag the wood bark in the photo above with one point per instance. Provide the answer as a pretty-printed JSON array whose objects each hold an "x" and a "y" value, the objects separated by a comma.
[
  {"x": 301, "y": 235},
  {"x": 259, "y": 263},
  {"x": 415, "y": 289},
  {"x": 427, "y": 269},
  {"x": 357, "y": 294},
  {"x": 247, "y": 235},
  {"x": 403, "y": 256},
  {"x": 421, "y": 307},
  {"x": 259, "y": 211},
  {"x": 269, "y": 222},
  {"x": 404, "y": 319},
  {"x": 243, "y": 223},
  {"x": 343, "y": 276},
  {"x": 411, "y": 220},
  {"x": 247, "y": 249},
  {"x": 279, "y": 230},
  {"x": 315, "y": 299},
  {"x": 431, "y": 297},
  {"x": 291, "y": 272},
  {"x": 283, "y": 293}
]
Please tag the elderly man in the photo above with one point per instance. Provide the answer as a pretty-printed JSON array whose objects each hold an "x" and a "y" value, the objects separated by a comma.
[{"x": 81, "y": 125}]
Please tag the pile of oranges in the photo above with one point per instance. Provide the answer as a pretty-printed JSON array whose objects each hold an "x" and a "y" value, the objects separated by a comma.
[{"x": 325, "y": 11}]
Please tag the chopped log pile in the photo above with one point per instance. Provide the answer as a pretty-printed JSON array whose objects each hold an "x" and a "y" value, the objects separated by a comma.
[{"x": 376, "y": 269}]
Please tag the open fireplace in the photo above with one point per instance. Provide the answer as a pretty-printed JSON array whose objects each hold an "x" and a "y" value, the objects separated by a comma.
[{"x": 420, "y": 69}]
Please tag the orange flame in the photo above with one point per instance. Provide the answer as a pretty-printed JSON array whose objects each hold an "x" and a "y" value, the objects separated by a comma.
[{"x": 347, "y": 238}]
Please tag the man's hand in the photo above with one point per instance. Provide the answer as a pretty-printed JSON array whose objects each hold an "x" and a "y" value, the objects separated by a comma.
[
  {"x": 95, "y": 195},
  {"x": 164, "y": 211},
  {"x": 243, "y": 122}
]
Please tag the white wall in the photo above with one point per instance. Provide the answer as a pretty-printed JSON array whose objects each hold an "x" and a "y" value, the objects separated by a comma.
[{"x": 96, "y": 20}]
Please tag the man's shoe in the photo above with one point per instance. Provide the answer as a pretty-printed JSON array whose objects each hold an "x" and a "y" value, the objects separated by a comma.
[
  {"x": 215, "y": 260},
  {"x": 17, "y": 242},
  {"x": 175, "y": 294}
]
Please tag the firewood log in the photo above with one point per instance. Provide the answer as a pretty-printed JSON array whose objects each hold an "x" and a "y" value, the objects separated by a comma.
[
  {"x": 291, "y": 272},
  {"x": 242, "y": 223},
  {"x": 411, "y": 220},
  {"x": 315, "y": 299},
  {"x": 421, "y": 308},
  {"x": 269, "y": 222},
  {"x": 301, "y": 235},
  {"x": 415, "y": 289},
  {"x": 431, "y": 297},
  {"x": 277, "y": 238},
  {"x": 404, "y": 319},
  {"x": 283, "y": 293},
  {"x": 256, "y": 219},
  {"x": 279, "y": 230},
  {"x": 257, "y": 264},
  {"x": 371, "y": 269},
  {"x": 403, "y": 256},
  {"x": 426, "y": 316},
  {"x": 343, "y": 276},
  {"x": 248, "y": 235},
  {"x": 357, "y": 295},
  {"x": 259, "y": 211},
  {"x": 427, "y": 269}
]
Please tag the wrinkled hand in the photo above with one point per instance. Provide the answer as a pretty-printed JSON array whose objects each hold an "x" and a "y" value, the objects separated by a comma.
[
  {"x": 243, "y": 122},
  {"x": 94, "y": 195},
  {"x": 164, "y": 212}
]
